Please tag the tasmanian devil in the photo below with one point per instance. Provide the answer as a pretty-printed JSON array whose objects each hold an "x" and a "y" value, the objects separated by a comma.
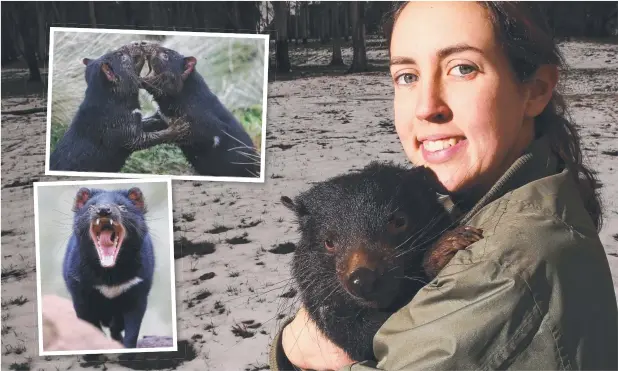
[
  {"x": 218, "y": 144},
  {"x": 107, "y": 127},
  {"x": 109, "y": 262},
  {"x": 369, "y": 241}
]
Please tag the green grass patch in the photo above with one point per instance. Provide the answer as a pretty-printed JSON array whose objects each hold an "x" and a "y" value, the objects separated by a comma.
[{"x": 251, "y": 120}]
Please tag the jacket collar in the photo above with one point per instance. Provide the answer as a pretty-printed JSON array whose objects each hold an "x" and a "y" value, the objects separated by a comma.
[{"x": 537, "y": 161}]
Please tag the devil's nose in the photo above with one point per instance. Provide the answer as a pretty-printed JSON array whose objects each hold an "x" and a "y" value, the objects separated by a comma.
[
  {"x": 362, "y": 281},
  {"x": 140, "y": 43},
  {"x": 104, "y": 211}
]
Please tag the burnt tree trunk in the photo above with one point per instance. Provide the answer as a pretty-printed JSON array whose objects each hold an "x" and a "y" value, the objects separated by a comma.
[
  {"x": 129, "y": 15},
  {"x": 59, "y": 18},
  {"x": 337, "y": 59},
  {"x": 267, "y": 18},
  {"x": 305, "y": 22},
  {"x": 153, "y": 15},
  {"x": 235, "y": 16},
  {"x": 296, "y": 21},
  {"x": 325, "y": 22},
  {"x": 289, "y": 21},
  {"x": 346, "y": 20},
  {"x": 9, "y": 49},
  {"x": 281, "y": 46},
  {"x": 357, "y": 17},
  {"x": 25, "y": 22},
  {"x": 194, "y": 21},
  {"x": 93, "y": 18},
  {"x": 42, "y": 30},
  {"x": 613, "y": 20}
]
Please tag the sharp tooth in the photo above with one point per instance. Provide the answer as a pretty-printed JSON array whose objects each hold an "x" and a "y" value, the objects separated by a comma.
[
  {"x": 111, "y": 222},
  {"x": 98, "y": 221}
]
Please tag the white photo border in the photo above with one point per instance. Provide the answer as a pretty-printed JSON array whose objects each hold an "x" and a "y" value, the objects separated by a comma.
[
  {"x": 264, "y": 37},
  {"x": 109, "y": 182}
]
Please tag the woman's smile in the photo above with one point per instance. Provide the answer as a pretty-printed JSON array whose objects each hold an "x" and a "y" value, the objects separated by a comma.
[{"x": 437, "y": 149}]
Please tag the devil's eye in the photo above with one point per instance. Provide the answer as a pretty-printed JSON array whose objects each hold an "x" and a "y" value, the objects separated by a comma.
[
  {"x": 164, "y": 56},
  {"x": 122, "y": 208}
]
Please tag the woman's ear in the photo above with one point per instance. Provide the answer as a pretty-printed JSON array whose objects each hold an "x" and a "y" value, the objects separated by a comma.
[{"x": 540, "y": 89}]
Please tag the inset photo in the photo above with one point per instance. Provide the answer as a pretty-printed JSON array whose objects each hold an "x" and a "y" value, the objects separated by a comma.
[
  {"x": 105, "y": 266},
  {"x": 126, "y": 103}
]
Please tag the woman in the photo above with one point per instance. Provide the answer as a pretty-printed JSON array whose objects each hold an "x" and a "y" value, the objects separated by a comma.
[{"x": 475, "y": 102}]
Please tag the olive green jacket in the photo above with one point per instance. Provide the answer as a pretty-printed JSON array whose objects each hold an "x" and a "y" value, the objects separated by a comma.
[{"x": 535, "y": 293}]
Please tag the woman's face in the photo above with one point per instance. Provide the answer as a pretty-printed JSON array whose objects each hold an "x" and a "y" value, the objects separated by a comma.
[{"x": 458, "y": 107}]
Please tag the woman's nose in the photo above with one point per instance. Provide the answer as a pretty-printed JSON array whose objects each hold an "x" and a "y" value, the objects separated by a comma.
[{"x": 430, "y": 105}]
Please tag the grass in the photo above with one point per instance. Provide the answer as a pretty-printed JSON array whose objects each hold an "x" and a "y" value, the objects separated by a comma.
[{"x": 168, "y": 158}]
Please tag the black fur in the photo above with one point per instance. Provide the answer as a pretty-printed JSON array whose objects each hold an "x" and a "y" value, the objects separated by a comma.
[
  {"x": 355, "y": 210},
  {"x": 181, "y": 92},
  {"x": 107, "y": 127},
  {"x": 83, "y": 271}
]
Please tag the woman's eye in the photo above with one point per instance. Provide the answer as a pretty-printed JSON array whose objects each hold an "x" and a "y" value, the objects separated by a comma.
[
  {"x": 405, "y": 79},
  {"x": 464, "y": 69},
  {"x": 122, "y": 208}
]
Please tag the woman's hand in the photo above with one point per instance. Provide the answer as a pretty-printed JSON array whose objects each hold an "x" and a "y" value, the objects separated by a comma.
[{"x": 306, "y": 347}]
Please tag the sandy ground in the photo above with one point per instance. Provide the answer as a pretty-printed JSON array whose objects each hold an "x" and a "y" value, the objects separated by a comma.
[{"x": 233, "y": 291}]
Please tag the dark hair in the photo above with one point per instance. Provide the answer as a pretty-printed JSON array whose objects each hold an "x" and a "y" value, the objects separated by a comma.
[{"x": 522, "y": 30}]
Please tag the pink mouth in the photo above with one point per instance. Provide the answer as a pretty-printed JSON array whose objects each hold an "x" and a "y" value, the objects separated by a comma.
[
  {"x": 107, "y": 236},
  {"x": 440, "y": 156}
]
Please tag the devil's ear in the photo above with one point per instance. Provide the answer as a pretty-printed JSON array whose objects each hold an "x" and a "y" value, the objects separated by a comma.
[
  {"x": 86, "y": 61},
  {"x": 287, "y": 202},
  {"x": 190, "y": 63},
  {"x": 296, "y": 206},
  {"x": 82, "y": 196},
  {"x": 137, "y": 197},
  {"x": 109, "y": 73},
  {"x": 429, "y": 178}
]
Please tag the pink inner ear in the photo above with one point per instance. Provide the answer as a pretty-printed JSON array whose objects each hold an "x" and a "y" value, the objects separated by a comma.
[
  {"x": 108, "y": 72},
  {"x": 136, "y": 196},
  {"x": 81, "y": 199},
  {"x": 189, "y": 65},
  {"x": 190, "y": 62}
]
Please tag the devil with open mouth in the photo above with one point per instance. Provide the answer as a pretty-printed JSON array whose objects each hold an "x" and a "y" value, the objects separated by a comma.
[{"x": 109, "y": 263}]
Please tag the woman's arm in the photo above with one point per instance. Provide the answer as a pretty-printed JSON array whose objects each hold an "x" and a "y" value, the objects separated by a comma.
[{"x": 473, "y": 316}]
